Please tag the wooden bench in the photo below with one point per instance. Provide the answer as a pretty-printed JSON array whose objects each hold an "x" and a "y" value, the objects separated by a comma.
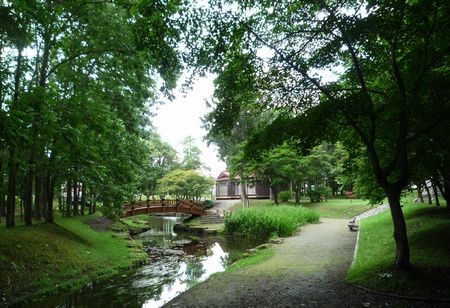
[{"x": 352, "y": 225}]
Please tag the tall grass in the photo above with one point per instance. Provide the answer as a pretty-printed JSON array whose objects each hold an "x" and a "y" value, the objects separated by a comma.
[{"x": 266, "y": 221}]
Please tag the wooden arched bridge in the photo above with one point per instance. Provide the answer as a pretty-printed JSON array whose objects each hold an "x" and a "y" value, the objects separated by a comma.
[{"x": 163, "y": 206}]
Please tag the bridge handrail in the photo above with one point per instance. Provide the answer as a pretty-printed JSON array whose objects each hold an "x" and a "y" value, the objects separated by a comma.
[{"x": 161, "y": 202}]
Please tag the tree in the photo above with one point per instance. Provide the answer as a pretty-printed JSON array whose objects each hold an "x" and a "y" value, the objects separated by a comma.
[
  {"x": 77, "y": 106},
  {"x": 162, "y": 158},
  {"x": 191, "y": 155},
  {"x": 185, "y": 184},
  {"x": 391, "y": 57}
]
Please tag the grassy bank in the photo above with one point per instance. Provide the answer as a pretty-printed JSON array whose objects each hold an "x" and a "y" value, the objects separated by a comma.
[
  {"x": 256, "y": 257},
  {"x": 332, "y": 208},
  {"x": 46, "y": 258},
  {"x": 339, "y": 208},
  {"x": 428, "y": 229},
  {"x": 266, "y": 221}
]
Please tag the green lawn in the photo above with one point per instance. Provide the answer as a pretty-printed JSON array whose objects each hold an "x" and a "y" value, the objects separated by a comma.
[
  {"x": 44, "y": 258},
  {"x": 333, "y": 208},
  {"x": 428, "y": 230}
]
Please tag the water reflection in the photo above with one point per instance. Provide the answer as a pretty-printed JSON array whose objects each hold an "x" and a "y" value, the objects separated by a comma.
[
  {"x": 177, "y": 262},
  {"x": 188, "y": 273}
]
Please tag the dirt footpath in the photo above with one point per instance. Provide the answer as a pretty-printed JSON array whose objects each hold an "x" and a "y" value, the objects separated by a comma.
[{"x": 307, "y": 270}]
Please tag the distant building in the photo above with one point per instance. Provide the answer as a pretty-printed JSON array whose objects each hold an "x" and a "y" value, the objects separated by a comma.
[{"x": 227, "y": 188}]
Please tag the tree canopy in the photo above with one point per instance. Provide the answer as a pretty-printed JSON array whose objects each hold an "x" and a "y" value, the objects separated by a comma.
[
  {"x": 76, "y": 81},
  {"x": 372, "y": 73}
]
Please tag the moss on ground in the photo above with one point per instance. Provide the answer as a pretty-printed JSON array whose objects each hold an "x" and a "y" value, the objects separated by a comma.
[
  {"x": 46, "y": 258},
  {"x": 428, "y": 229}
]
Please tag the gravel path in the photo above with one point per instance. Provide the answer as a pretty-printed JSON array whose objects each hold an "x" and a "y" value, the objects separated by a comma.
[
  {"x": 307, "y": 270},
  {"x": 373, "y": 211}
]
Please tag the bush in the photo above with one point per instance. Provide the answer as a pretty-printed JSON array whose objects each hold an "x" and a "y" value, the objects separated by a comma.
[
  {"x": 314, "y": 195},
  {"x": 207, "y": 204},
  {"x": 284, "y": 195},
  {"x": 321, "y": 192},
  {"x": 266, "y": 221}
]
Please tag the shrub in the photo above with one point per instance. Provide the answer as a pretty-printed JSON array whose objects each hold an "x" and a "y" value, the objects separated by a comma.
[
  {"x": 284, "y": 195},
  {"x": 314, "y": 195},
  {"x": 319, "y": 193},
  {"x": 207, "y": 204},
  {"x": 266, "y": 221}
]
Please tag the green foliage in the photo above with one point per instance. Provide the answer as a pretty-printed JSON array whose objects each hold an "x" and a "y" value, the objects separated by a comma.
[
  {"x": 184, "y": 184},
  {"x": 77, "y": 107},
  {"x": 428, "y": 228},
  {"x": 365, "y": 185},
  {"x": 161, "y": 159},
  {"x": 208, "y": 204},
  {"x": 284, "y": 195},
  {"x": 263, "y": 222},
  {"x": 191, "y": 155},
  {"x": 314, "y": 195},
  {"x": 319, "y": 193},
  {"x": 388, "y": 94},
  {"x": 324, "y": 191}
]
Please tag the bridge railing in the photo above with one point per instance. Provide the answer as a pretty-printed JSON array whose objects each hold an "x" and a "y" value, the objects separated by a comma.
[{"x": 189, "y": 205}]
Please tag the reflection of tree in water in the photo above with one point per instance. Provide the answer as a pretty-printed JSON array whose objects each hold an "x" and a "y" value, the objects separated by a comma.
[
  {"x": 194, "y": 270},
  {"x": 198, "y": 249}
]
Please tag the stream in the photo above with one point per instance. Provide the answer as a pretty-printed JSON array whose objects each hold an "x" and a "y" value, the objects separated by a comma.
[{"x": 176, "y": 263}]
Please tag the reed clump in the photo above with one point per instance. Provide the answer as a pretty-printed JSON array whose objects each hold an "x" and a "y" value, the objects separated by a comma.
[{"x": 269, "y": 221}]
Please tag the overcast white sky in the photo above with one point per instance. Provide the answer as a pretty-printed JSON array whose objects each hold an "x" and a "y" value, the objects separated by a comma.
[{"x": 181, "y": 117}]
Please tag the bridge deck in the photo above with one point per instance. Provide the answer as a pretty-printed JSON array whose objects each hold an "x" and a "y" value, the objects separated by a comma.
[{"x": 163, "y": 206}]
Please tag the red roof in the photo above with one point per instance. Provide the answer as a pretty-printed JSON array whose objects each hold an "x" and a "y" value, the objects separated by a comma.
[{"x": 225, "y": 175}]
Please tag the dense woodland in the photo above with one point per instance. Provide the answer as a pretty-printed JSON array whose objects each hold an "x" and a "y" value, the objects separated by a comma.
[
  {"x": 363, "y": 82},
  {"x": 76, "y": 84}
]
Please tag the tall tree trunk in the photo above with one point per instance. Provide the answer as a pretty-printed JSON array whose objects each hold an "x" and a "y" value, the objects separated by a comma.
[
  {"x": 94, "y": 203},
  {"x": 2, "y": 191},
  {"x": 34, "y": 130},
  {"x": 427, "y": 189},
  {"x": 419, "y": 193},
  {"x": 60, "y": 202},
  {"x": 69, "y": 198},
  {"x": 435, "y": 192},
  {"x": 75, "y": 198},
  {"x": 274, "y": 194},
  {"x": 38, "y": 197},
  {"x": 91, "y": 201},
  {"x": 297, "y": 187},
  {"x": 21, "y": 204},
  {"x": 83, "y": 197},
  {"x": 446, "y": 188},
  {"x": 50, "y": 193},
  {"x": 400, "y": 231},
  {"x": 11, "y": 202},
  {"x": 244, "y": 196}
]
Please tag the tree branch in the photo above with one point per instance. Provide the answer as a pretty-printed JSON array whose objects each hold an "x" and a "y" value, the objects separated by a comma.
[
  {"x": 83, "y": 53},
  {"x": 396, "y": 70}
]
